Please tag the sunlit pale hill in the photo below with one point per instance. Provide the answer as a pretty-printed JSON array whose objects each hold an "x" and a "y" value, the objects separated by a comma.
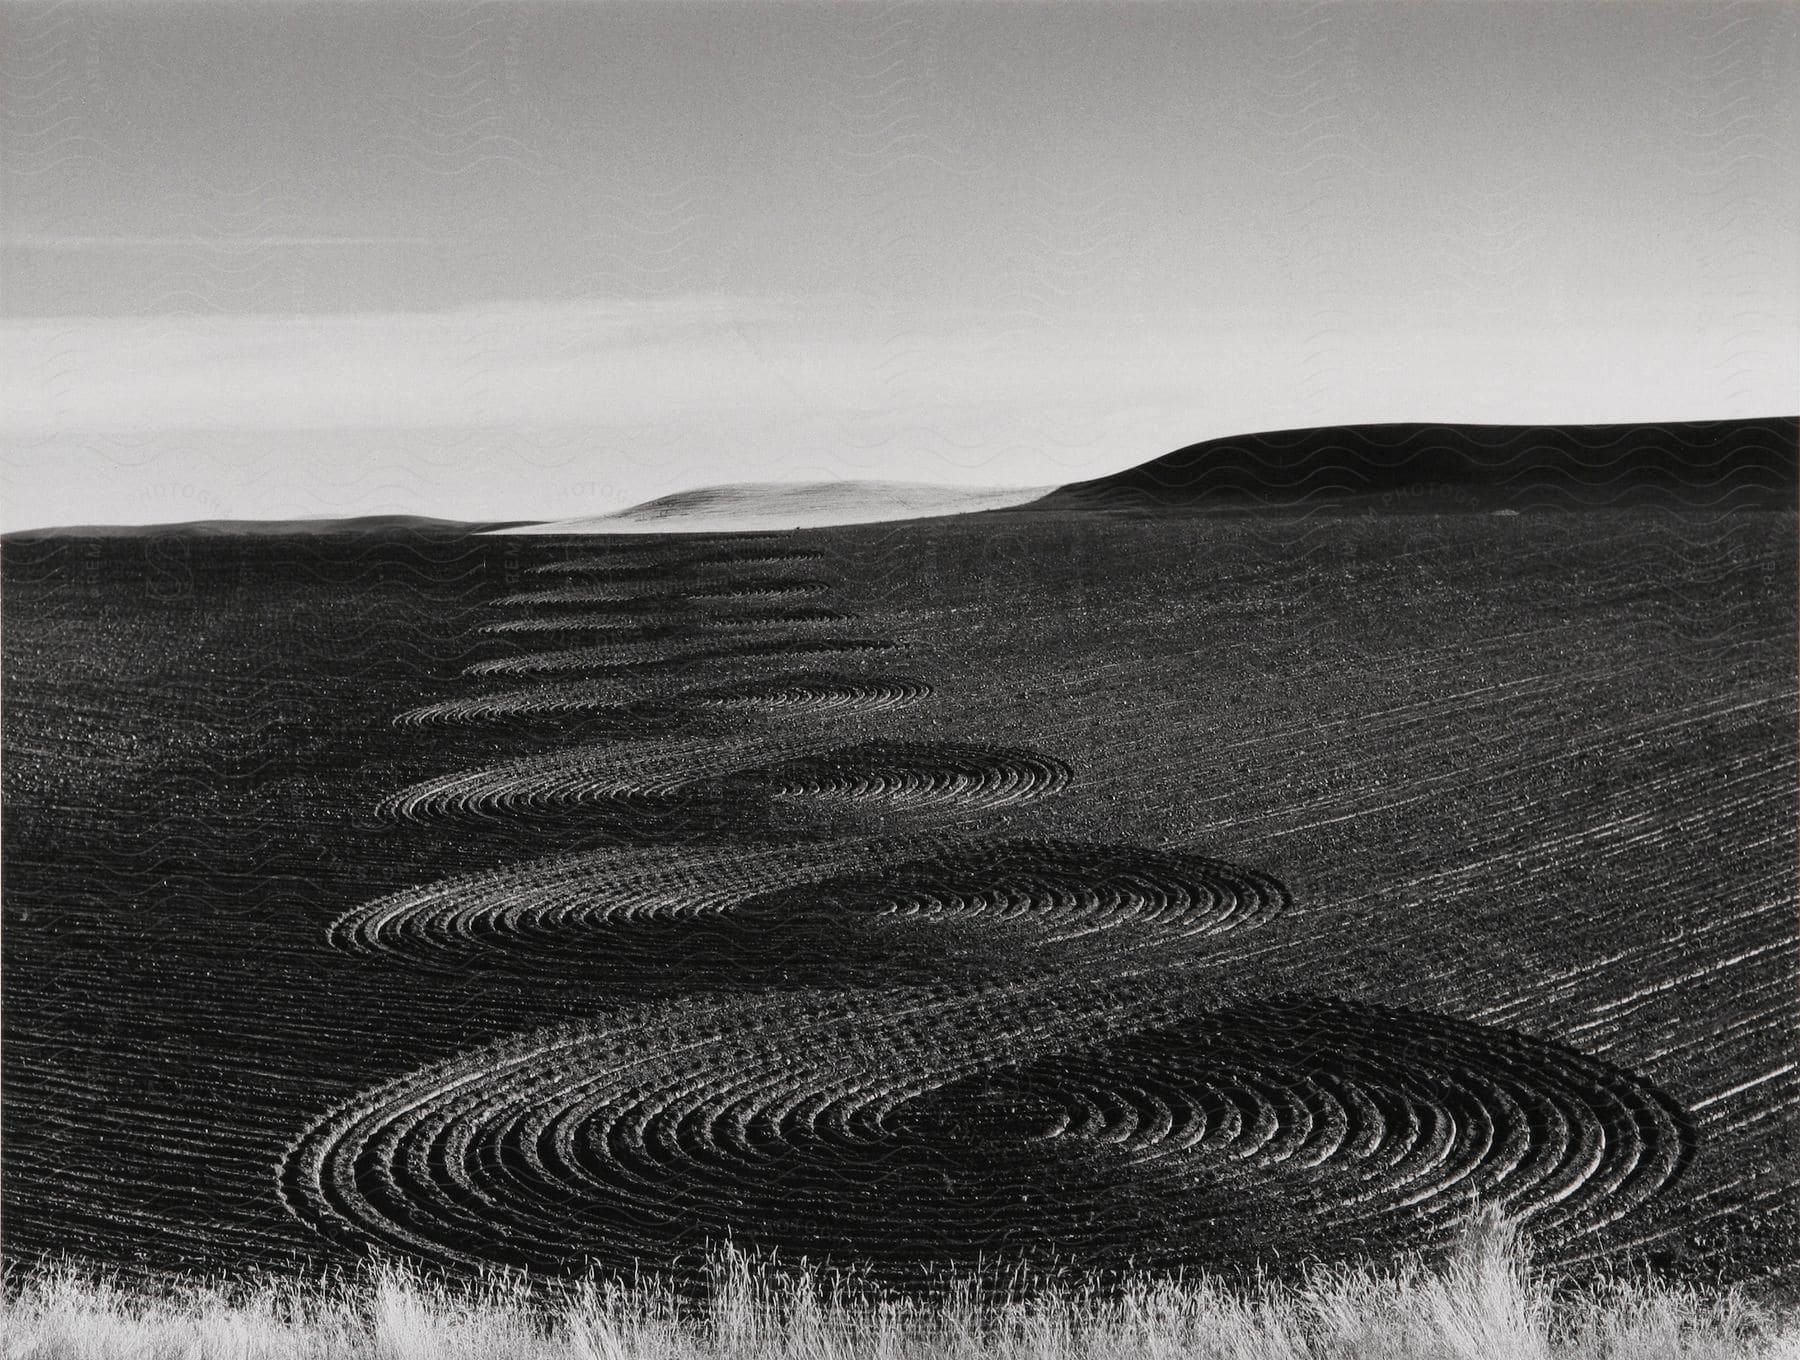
[{"x": 789, "y": 505}]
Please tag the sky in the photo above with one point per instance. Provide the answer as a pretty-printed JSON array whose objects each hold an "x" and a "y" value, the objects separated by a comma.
[{"x": 528, "y": 259}]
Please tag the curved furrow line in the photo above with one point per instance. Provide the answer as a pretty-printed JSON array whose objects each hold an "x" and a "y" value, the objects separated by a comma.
[
  {"x": 634, "y": 655},
  {"x": 812, "y": 692},
  {"x": 920, "y": 1052},
  {"x": 536, "y": 701},
  {"x": 718, "y": 620},
  {"x": 627, "y": 625},
  {"x": 933, "y": 1129},
  {"x": 670, "y": 619},
  {"x": 618, "y": 593},
  {"x": 908, "y": 774},
  {"x": 613, "y": 565},
  {"x": 769, "y": 556},
  {"x": 699, "y": 594},
  {"x": 772, "y": 588},
  {"x": 822, "y": 903},
  {"x": 1053, "y": 890},
  {"x": 782, "y": 696},
  {"x": 643, "y": 566},
  {"x": 641, "y": 777},
  {"x": 621, "y": 655},
  {"x": 646, "y": 776},
  {"x": 613, "y": 891}
]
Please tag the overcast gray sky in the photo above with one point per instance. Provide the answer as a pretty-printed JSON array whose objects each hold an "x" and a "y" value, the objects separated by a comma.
[{"x": 529, "y": 260}]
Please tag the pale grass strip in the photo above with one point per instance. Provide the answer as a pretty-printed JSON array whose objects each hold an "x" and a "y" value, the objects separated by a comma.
[{"x": 1483, "y": 1304}]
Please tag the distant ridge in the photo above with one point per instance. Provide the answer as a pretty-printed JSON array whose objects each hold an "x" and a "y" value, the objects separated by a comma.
[
  {"x": 761, "y": 506},
  {"x": 1386, "y": 468},
  {"x": 267, "y": 528},
  {"x": 1727, "y": 464}
]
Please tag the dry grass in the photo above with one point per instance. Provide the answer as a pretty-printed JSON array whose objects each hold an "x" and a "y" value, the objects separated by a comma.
[{"x": 1482, "y": 1305}]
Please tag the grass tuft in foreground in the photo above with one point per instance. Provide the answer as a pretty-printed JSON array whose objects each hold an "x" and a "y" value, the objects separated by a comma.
[{"x": 1483, "y": 1304}]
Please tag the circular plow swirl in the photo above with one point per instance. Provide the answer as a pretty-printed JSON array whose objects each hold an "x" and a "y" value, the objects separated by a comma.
[
  {"x": 820, "y": 906},
  {"x": 534, "y": 701},
  {"x": 632, "y": 655},
  {"x": 913, "y": 774},
  {"x": 773, "y": 588},
  {"x": 645, "y": 565},
  {"x": 627, "y": 627},
  {"x": 914, "y": 1054},
  {"x": 937, "y": 1129},
  {"x": 612, "y": 566},
  {"x": 1048, "y": 890},
  {"x": 627, "y": 593},
  {"x": 630, "y": 592},
  {"x": 647, "y": 775},
  {"x": 711, "y": 622},
  {"x": 810, "y": 694},
  {"x": 766, "y": 556},
  {"x": 784, "y": 696}
]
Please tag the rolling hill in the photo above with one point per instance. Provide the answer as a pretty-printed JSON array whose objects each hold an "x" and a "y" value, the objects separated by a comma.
[{"x": 1740, "y": 464}]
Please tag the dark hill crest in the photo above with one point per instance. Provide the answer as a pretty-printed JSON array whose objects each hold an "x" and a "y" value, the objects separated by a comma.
[{"x": 1724, "y": 464}]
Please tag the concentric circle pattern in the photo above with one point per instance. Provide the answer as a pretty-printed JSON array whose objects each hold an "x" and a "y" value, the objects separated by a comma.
[
  {"x": 909, "y": 773},
  {"x": 768, "y": 588},
  {"x": 650, "y": 776},
  {"x": 626, "y": 625},
  {"x": 813, "y": 693},
  {"x": 765, "y": 556},
  {"x": 1049, "y": 890},
  {"x": 548, "y": 700},
  {"x": 542, "y": 905},
  {"x": 643, "y": 564},
  {"x": 819, "y": 906},
  {"x": 622, "y": 655},
  {"x": 640, "y": 566},
  {"x": 709, "y": 622},
  {"x": 719, "y": 620},
  {"x": 633, "y": 592},
  {"x": 783, "y": 696},
  {"x": 946, "y": 1127},
  {"x": 911, "y": 1053},
  {"x": 605, "y": 592},
  {"x": 633, "y": 778}
]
